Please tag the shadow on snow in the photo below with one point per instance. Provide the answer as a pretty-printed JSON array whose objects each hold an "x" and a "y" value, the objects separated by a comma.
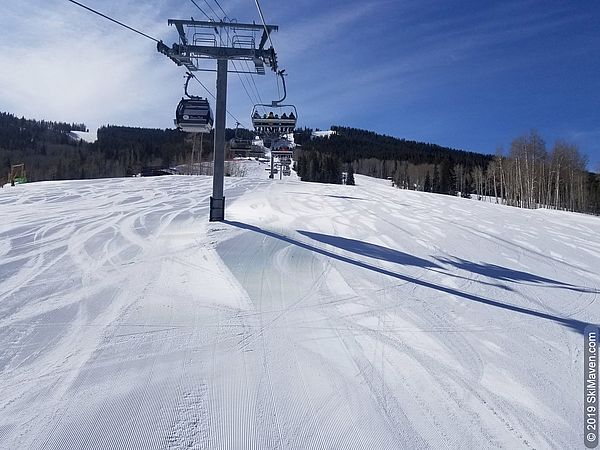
[
  {"x": 381, "y": 252},
  {"x": 512, "y": 275},
  {"x": 370, "y": 250}
]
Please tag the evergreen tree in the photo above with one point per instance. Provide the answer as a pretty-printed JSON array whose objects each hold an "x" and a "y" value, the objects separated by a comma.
[
  {"x": 435, "y": 186},
  {"x": 427, "y": 185},
  {"x": 451, "y": 181},
  {"x": 350, "y": 176}
]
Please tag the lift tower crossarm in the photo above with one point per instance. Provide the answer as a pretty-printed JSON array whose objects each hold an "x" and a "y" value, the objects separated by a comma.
[
  {"x": 184, "y": 55},
  {"x": 188, "y": 55},
  {"x": 267, "y": 30},
  {"x": 203, "y": 51}
]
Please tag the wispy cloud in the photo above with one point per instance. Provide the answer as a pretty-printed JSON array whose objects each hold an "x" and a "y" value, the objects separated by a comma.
[
  {"x": 61, "y": 63},
  {"x": 307, "y": 37}
]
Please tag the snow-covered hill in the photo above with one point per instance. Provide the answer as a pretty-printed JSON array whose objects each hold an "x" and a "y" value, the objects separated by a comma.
[
  {"x": 87, "y": 136},
  {"x": 318, "y": 316},
  {"x": 326, "y": 134}
]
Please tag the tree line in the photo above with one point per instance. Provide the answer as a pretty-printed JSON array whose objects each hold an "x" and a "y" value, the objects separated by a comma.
[
  {"x": 529, "y": 176},
  {"x": 405, "y": 162},
  {"x": 49, "y": 152},
  {"x": 532, "y": 176}
]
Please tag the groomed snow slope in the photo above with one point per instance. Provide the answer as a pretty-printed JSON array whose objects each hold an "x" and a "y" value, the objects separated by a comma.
[{"x": 318, "y": 316}]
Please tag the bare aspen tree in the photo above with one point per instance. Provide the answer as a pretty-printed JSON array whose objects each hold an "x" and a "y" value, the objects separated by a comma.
[
  {"x": 500, "y": 160},
  {"x": 492, "y": 172},
  {"x": 478, "y": 178},
  {"x": 529, "y": 155},
  {"x": 461, "y": 178}
]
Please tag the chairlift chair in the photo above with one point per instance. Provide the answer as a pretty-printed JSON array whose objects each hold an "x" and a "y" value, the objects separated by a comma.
[
  {"x": 281, "y": 119},
  {"x": 282, "y": 145},
  {"x": 238, "y": 143}
]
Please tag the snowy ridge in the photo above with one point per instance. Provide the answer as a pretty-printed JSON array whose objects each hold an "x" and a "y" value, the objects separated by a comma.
[
  {"x": 317, "y": 316},
  {"x": 327, "y": 133},
  {"x": 87, "y": 136}
]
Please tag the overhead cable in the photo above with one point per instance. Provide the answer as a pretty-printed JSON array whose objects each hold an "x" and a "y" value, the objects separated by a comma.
[
  {"x": 211, "y": 8},
  {"x": 262, "y": 17},
  {"x": 224, "y": 13},
  {"x": 146, "y": 36},
  {"x": 213, "y": 96},
  {"x": 201, "y": 10},
  {"x": 113, "y": 20}
]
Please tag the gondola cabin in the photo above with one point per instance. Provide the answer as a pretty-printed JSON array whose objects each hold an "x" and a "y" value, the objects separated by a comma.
[{"x": 194, "y": 116}]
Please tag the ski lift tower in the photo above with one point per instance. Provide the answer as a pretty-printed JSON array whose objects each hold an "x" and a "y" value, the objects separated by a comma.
[{"x": 224, "y": 41}]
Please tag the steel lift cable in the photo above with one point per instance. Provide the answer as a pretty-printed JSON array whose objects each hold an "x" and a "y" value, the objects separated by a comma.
[
  {"x": 212, "y": 9},
  {"x": 233, "y": 62},
  {"x": 201, "y": 10},
  {"x": 113, "y": 20},
  {"x": 224, "y": 13},
  {"x": 146, "y": 36},
  {"x": 246, "y": 86},
  {"x": 213, "y": 96},
  {"x": 262, "y": 18}
]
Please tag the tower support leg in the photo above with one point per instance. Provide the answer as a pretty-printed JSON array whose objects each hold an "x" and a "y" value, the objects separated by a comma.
[{"x": 217, "y": 201}]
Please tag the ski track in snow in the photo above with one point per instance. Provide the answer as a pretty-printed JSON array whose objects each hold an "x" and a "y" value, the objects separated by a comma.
[{"x": 316, "y": 316}]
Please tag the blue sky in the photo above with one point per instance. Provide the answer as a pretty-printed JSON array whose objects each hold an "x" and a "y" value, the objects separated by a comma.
[{"x": 469, "y": 75}]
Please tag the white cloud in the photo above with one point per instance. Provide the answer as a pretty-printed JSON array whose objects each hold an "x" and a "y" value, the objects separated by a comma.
[
  {"x": 308, "y": 36},
  {"x": 67, "y": 64}
]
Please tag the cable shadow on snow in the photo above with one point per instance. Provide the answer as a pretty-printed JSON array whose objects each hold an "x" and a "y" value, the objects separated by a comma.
[
  {"x": 498, "y": 272},
  {"x": 573, "y": 324},
  {"x": 371, "y": 250},
  {"x": 343, "y": 197},
  {"x": 388, "y": 254},
  {"x": 505, "y": 274}
]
